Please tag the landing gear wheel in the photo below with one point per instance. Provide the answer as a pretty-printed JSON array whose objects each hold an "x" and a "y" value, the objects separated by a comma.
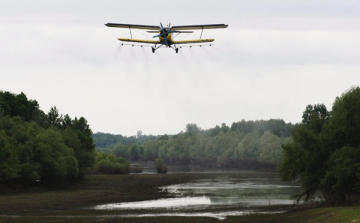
[
  {"x": 177, "y": 50},
  {"x": 153, "y": 49}
]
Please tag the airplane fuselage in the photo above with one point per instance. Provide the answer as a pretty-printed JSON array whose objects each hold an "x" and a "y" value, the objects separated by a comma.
[
  {"x": 169, "y": 37},
  {"x": 169, "y": 40}
]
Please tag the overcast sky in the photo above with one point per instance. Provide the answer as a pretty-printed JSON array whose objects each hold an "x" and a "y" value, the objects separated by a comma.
[{"x": 275, "y": 58}]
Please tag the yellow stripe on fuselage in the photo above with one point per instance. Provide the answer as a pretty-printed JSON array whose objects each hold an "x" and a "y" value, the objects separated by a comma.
[{"x": 169, "y": 38}]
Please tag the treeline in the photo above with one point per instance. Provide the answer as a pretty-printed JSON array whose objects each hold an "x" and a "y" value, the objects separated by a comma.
[
  {"x": 104, "y": 140},
  {"x": 245, "y": 145},
  {"x": 325, "y": 151},
  {"x": 44, "y": 147}
]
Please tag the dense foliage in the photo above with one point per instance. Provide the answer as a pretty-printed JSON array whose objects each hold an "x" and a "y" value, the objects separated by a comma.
[
  {"x": 104, "y": 140},
  {"x": 160, "y": 166},
  {"x": 247, "y": 145},
  {"x": 325, "y": 151},
  {"x": 106, "y": 163},
  {"x": 35, "y": 146}
]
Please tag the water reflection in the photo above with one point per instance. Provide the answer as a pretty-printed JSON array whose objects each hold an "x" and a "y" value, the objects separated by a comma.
[
  {"x": 160, "y": 203},
  {"x": 219, "y": 215},
  {"x": 240, "y": 192},
  {"x": 244, "y": 191}
]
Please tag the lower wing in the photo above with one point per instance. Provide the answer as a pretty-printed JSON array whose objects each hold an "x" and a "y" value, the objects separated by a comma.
[
  {"x": 200, "y": 41},
  {"x": 194, "y": 41},
  {"x": 138, "y": 40}
]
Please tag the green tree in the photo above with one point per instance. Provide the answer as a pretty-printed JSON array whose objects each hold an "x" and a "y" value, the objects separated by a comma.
[
  {"x": 160, "y": 166},
  {"x": 53, "y": 155},
  {"x": 192, "y": 128},
  {"x": 9, "y": 162},
  {"x": 342, "y": 180},
  {"x": 39, "y": 146},
  {"x": 219, "y": 146},
  {"x": 345, "y": 120},
  {"x": 164, "y": 137},
  {"x": 18, "y": 105},
  {"x": 306, "y": 156},
  {"x": 270, "y": 149},
  {"x": 248, "y": 147},
  {"x": 109, "y": 164},
  {"x": 53, "y": 117},
  {"x": 134, "y": 154},
  {"x": 325, "y": 150},
  {"x": 121, "y": 150},
  {"x": 86, "y": 156}
]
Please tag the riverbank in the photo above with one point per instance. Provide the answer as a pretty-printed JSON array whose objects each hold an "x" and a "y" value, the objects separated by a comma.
[
  {"x": 93, "y": 190},
  {"x": 67, "y": 205}
]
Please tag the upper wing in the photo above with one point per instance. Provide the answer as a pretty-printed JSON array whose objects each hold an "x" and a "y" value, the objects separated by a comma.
[
  {"x": 132, "y": 26},
  {"x": 194, "y": 41},
  {"x": 191, "y": 27},
  {"x": 138, "y": 40}
]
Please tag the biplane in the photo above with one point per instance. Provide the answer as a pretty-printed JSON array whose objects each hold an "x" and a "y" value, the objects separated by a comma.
[{"x": 165, "y": 34}]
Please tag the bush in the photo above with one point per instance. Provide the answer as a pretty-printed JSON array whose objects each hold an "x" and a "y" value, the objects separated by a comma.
[
  {"x": 109, "y": 164},
  {"x": 104, "y": 166},
  {"x": 118, "y": 168},
  {"x": 160, "y": 166},
  {"x": 136, "y": 169}
]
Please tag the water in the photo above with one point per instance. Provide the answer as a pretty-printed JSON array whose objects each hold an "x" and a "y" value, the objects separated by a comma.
[
  {"x": 219, "y": 215},
  {"x": 233, "y": 194}
]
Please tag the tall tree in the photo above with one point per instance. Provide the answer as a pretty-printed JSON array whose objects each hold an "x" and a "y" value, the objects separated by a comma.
[
  {"x": 9, "y": 162},
  {"x": 193, "y": 128},
  {"x": 325, "y": 150},
  {"x": 86, "y": 156},
  {"x": 53, "y": 117}
]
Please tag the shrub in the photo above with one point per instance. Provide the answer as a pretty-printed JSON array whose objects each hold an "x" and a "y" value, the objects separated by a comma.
[
  {"x": 136, "y": 169},
  {"x": 160, "y": 166}
]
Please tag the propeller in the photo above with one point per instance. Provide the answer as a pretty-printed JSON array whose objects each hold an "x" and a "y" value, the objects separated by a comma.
[{"x": 164, "y": 33}]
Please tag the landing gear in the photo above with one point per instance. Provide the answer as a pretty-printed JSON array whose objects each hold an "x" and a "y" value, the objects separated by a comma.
[{"x": 153, "y": 49}]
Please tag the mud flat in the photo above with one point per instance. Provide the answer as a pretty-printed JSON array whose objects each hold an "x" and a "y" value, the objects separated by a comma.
[{"x": 77, "y": 202}]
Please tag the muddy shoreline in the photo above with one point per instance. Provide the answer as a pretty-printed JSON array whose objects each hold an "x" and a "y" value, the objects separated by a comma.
[{"x": 67, "y": 205}]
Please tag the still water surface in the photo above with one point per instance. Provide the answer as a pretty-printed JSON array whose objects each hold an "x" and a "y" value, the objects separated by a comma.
[{"x": 243, "y": 193}]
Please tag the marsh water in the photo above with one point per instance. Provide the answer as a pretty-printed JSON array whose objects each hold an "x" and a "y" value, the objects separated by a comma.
[{"x": 224, "y": 194}]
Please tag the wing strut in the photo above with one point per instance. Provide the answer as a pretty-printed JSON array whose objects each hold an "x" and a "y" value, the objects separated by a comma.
[
  {"x": 130, "y": 32},
  {"x": 201, "y": 32}
]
